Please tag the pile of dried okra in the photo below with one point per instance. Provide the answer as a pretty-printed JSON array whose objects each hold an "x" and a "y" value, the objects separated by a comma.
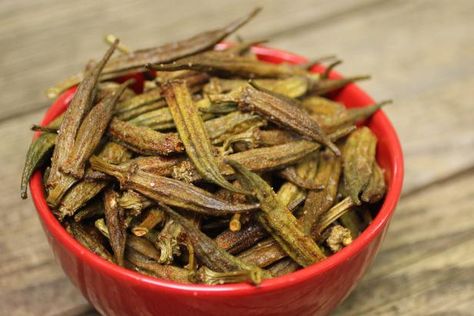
[{"x": 224, "y": 169}]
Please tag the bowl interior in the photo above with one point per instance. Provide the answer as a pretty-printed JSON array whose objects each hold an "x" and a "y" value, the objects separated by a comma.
[{"x": 389, "y": 156}]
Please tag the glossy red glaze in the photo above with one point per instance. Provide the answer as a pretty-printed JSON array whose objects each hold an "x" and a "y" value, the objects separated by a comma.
[{"x": 315, "y": 290}]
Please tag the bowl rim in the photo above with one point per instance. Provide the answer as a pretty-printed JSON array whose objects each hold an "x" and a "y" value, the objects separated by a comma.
[{"x": 58, "y": 232}]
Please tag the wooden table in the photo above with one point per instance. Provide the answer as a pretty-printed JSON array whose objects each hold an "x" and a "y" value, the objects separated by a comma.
[{"x": 420, "y": 53}]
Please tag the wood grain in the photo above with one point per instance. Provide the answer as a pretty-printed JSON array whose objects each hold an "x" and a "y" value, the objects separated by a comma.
[
  {"x": 44, "y": 42},
  {"x": 426, "y": 265},
  {"x": 420, "y": 53}
]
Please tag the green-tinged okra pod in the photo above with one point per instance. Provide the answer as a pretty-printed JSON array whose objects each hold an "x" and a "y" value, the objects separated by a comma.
[
  {"x": 292, "y": 87},
  {"x": 269, "y": 251},
  {"x": 358, "y": 161},
  {"x": 352, "y": 222},
  {"x": 38, "y": 154},
  {"x": 278, "y": 220},
  {"x": 193, "y": 134}
]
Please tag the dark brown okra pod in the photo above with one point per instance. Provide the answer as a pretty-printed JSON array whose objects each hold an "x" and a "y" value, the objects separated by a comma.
[
  {"x": 167, "y": 272},
  {"x": 172, "y": 51},
  {"x": 134, "y": 202},
  {"x": 282, "y": 111},
  {"x": 207, "y": 251},
  {"x": 88, "y": 240},
  {"x": 282, "y": 267},
  {"x": 115, "y": 221},
  {"x": 235, "y": 242},
  {"x": 77, "y": 109},
  {"x": 169, "y": 191},
  {"x": 90, "y": 133},
  {"x": 229, "y": 64},
  {"x": 134, "y": 244},
  {"x": 144, "y": 140},
  {"x": 85, "y": 190},
  {"x": 319, "y": 201}
]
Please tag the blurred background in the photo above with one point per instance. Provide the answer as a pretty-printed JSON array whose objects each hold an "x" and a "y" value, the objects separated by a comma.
[{"x": 419, "y": 53}]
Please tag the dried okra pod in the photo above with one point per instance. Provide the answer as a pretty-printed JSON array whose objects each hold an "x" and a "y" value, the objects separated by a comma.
[
  {"x": 217, "y": 166},
  {"x": 278, "y": 220},
  {"x": 281, "y": 111},
  {"x": 359, "y": 158},
  {"x": 115, "y": 221},
  {"x": 169, "y": 191},
  {"x": 193, "y": 134},
  {"x": 73, "y": 117}
]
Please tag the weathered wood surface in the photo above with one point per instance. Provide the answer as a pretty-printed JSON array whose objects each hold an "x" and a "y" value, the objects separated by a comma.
[
  {"x": 420, "y": 53},
  {"x": 426, "y": 266}
]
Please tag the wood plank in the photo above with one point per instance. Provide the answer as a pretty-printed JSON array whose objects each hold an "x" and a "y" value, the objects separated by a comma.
[
  {"x": 437, "y": 143},
  {"x": 28, "y": 255},
  {"x": 426, "y": 266},
  {"x": 44, "y": 42},
  {"x": 419, "y": 55},
  {"x": 31, "y": 283}
]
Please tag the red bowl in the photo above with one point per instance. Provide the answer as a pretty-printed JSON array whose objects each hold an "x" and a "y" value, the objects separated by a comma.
[{"x": 317, "y": 289}]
